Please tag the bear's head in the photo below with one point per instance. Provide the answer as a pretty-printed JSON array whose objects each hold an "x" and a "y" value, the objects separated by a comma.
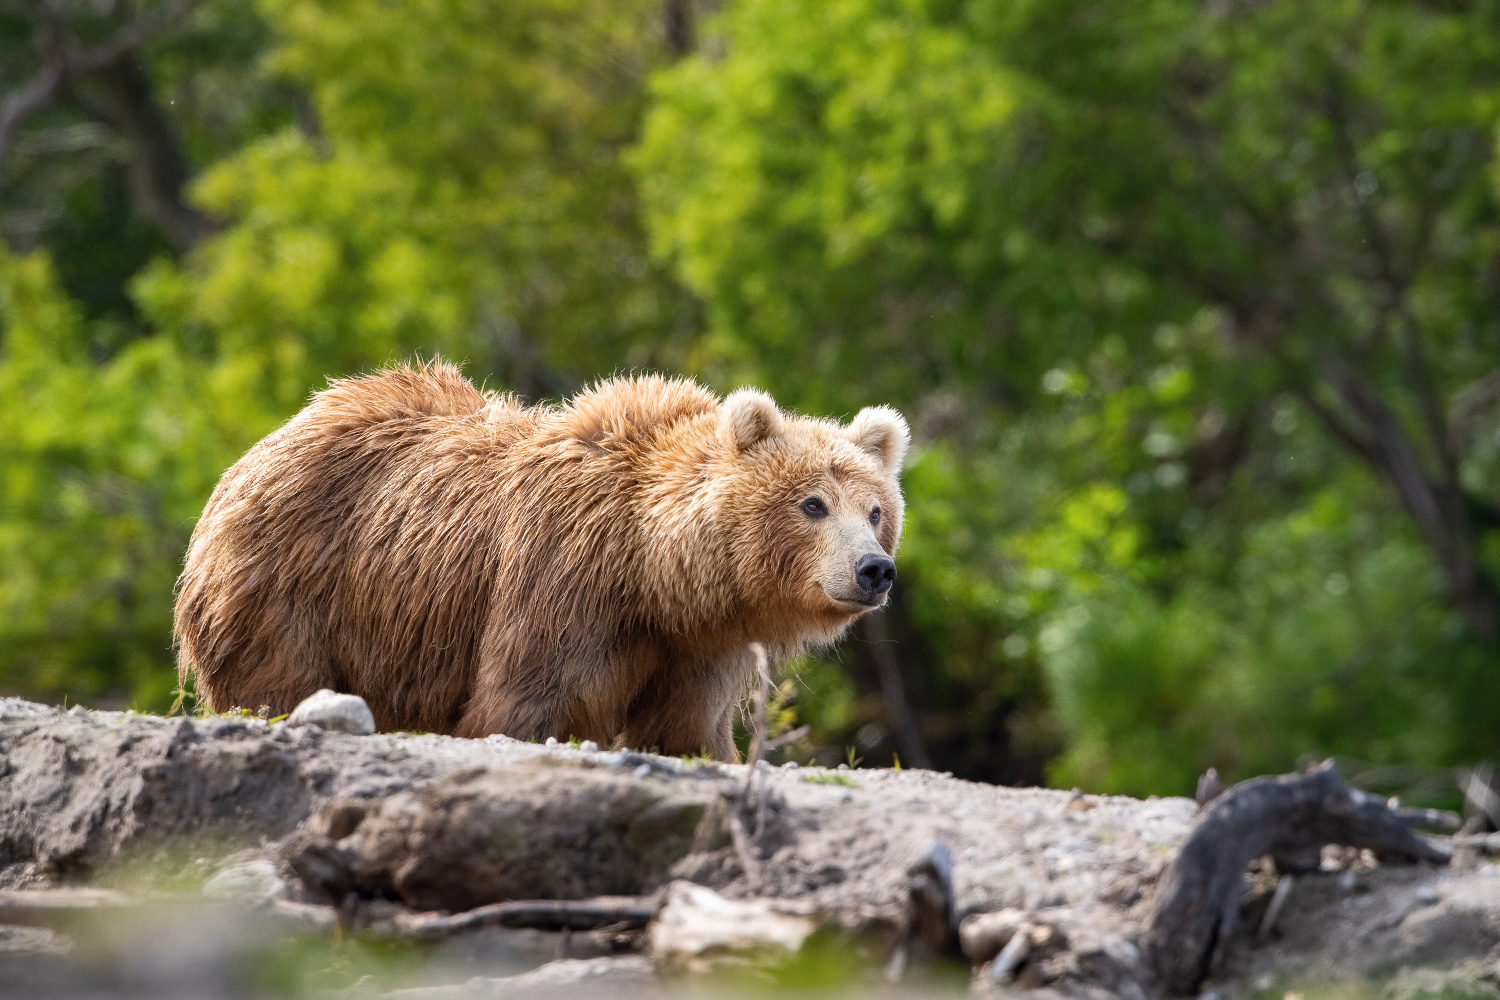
[{"x": 812, "y": 513}]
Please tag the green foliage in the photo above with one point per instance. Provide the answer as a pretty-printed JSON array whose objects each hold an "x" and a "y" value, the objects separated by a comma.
[
  {"x": 463, "y": 196},
  {"x": 1329, "y": 637},
  {"x": 1150, "y": 279},
  {"x": 104, "y": 469},
  {"x": 1109, "y": 258}
]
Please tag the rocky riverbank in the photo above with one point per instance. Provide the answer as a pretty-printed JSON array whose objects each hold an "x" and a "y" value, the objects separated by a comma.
[{"x": 227, "y": 856}]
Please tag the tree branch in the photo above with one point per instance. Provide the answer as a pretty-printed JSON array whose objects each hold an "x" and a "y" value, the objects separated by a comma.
[
  {"x": 893, "y": 693},
  {"x": 1338, "y": 427},
  {"x": 1439, "y": 509},
  {"x": 64, "y": 59},
  {"x": 120, "y": 96},
  {"x": 1394, "y": 282},
  {"x": 37, "y": 92}
]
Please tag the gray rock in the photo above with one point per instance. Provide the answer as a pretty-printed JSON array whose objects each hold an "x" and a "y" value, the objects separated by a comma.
[
  {"x": 553, "y": 828},
  {"x": 257, "y": 879},
  {"x": 342, "y": 713}
]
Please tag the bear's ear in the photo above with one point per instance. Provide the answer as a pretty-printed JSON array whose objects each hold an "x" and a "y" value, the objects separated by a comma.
[
  {"x": 750, "y": 417},
  {"x": 882, "y": 432}
]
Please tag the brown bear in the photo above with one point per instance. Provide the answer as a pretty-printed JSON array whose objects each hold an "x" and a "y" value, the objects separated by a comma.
[{"x": 596, "y": 570}]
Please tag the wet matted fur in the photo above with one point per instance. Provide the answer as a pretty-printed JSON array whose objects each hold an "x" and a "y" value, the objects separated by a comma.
[{"x": 470, "y": 566}]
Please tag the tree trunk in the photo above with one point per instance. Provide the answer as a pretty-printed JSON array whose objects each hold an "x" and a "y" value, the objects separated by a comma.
[
  {"x": 120, "y": 96},
  {"x": 1437, "y": 505}
]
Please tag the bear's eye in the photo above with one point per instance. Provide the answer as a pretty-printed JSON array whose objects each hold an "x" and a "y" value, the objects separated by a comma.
[
  {"x": 875, "y": 516},
  {"x": 814, "y": 508}
]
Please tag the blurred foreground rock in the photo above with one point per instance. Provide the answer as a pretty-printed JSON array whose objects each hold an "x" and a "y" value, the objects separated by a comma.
[{"x": 517, "y": 869}]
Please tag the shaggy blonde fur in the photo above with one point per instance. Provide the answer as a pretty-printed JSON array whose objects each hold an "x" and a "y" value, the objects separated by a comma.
[{"x": 471, "y": 566}]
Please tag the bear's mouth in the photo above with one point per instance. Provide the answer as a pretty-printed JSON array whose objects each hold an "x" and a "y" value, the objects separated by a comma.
[{"x": 860, "y": 601}]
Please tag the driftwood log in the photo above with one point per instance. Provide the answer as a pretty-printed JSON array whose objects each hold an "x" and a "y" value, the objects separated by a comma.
[
  {"x": 1289, "y": 818},
  {"x": 622, "y": 912}
]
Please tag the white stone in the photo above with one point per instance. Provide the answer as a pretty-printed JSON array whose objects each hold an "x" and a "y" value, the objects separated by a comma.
[
  {"x": 644, "y": 771},
  {"x": 589, "y": 746},
  {"x": 344, "y": 713},
  {"x": 551, "y": 742}
]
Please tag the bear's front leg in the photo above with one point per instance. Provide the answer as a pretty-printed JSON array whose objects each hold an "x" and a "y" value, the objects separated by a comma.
[
  {"x": 687, "y": 708},
  {"x": 522, "y": 712},
  {"x": 520, "y": 684}
]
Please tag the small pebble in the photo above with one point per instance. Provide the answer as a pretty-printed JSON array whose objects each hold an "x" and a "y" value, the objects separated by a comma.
[
  {"x": 762, "y": 765},
  {"x": 551, "y": 742},
  {"x": 644, "y": 771},
  {"x": 328, "y": 709},
  {"x": 1427, "y": 894},
  {"x": 78, "y": 710},
  {"x": 791, "y": 765},
  {"x": 843, "y": 767},
  {"x": 848, "y": 796},
  {"x": 589, "y": 746}
]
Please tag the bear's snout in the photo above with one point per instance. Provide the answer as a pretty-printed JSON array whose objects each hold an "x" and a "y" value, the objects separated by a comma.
[{"x": 875, "y": 572}]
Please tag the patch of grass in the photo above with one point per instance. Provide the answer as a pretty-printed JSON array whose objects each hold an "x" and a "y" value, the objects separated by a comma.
[
  {"x": 832, "y": 964},
  {"x": 306, "y": 965},
  {"x": 175, "y": 865},
  {"x": 832, "y": 778}
]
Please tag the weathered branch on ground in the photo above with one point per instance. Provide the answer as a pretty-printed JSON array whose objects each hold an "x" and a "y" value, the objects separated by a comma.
[
  {"x": 624, "y": 912},
  {"x": 928, "y": 927},
  {"x": 1289, "y": 818}
]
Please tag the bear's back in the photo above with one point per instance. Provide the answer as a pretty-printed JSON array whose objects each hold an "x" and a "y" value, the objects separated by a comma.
[{"x": 350, "y": 549}]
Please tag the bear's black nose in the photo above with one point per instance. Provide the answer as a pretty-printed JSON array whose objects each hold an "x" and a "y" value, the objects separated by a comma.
[{"x": 875, "y": 573}]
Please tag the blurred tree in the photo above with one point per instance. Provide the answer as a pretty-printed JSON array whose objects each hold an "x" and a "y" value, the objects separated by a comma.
[
  {"x": 102, "y": 471},
  {"x": 452, "y": 185},
  {"x": 1129, "y": 237},
  {"x": 106, "y": 110},
  {"x": 1191, "y": 306}
]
